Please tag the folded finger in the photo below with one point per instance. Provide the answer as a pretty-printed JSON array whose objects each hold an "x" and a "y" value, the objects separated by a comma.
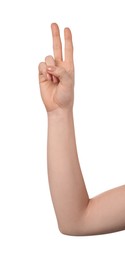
[
  {"x": 42, "y": 68},
  {"x": 51, "y": 62},
  {"x": 42, "y": 71}
]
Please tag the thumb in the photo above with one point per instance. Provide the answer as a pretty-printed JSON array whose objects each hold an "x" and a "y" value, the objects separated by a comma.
[{"x": 59, "y": 72}]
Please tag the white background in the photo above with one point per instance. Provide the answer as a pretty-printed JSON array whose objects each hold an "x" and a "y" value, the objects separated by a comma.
[{"x": 28, "y": 227}]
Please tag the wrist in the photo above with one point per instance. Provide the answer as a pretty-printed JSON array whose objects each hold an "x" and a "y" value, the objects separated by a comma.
[{"x": 60, "y": 113}]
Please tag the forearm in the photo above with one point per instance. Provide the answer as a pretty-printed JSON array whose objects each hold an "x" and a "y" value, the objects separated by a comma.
[
  {"x": 76, "y": 213},
  {"x": 67, "y": 187}
]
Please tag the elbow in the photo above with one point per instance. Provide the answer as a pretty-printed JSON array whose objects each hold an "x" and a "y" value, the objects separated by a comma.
[
  {"x": 72, "y": 230},
  {"x": 76, "y": 227},
  {"x": 67, "y": 231},
  {"x": 83, "y": 225}
]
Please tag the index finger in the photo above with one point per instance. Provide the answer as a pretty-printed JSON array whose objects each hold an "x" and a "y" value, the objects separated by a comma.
[
  {"x": 57, "y": 45},
  {"x": 68, "y": 46}
]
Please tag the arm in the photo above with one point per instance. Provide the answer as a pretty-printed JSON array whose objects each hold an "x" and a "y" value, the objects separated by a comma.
[{"x": 76, "y": 213}]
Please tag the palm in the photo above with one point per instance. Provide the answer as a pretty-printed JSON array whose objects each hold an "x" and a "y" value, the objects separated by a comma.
[{"x": 55, "y": 91}]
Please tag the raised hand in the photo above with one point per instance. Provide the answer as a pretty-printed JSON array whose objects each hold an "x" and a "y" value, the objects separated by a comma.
[{"x": 56, "y": 76}]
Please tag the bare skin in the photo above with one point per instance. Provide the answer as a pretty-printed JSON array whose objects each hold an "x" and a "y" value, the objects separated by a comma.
[{"x": 76, "y": 213}]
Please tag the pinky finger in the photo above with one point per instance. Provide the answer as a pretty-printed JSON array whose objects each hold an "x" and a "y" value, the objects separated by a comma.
[{"x": 42, "y": 71}]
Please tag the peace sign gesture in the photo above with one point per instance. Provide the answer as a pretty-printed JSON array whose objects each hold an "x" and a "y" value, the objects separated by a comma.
[{"x": 56, "y": 75}]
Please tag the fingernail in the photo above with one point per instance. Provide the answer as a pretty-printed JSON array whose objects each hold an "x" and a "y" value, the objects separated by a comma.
[{"x": 51, "y": 68}]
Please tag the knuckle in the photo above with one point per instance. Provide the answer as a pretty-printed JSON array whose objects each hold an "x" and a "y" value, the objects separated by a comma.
[{"x": 48, "y": 57}]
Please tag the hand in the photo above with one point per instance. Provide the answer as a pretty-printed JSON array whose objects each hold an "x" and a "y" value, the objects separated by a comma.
[{"x": 56, "y": 76}]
